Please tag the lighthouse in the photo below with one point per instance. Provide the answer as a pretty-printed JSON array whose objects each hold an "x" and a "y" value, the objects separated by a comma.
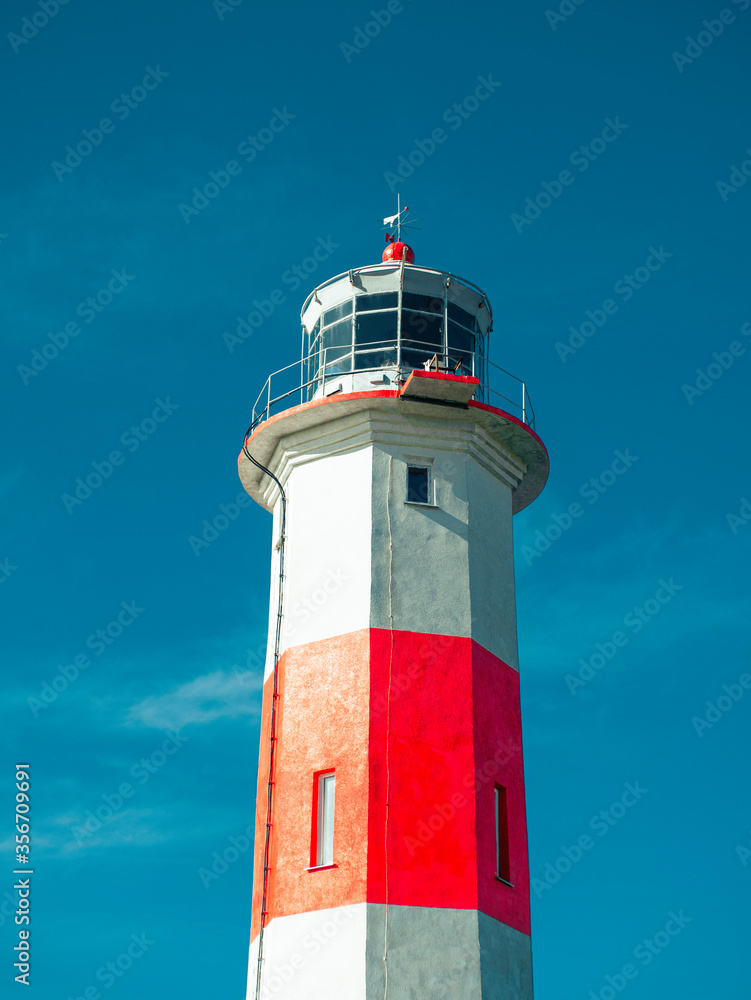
[{"x": 391, "y": 846}]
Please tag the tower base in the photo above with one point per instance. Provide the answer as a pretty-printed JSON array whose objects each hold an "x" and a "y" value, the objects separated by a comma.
[{"x": 338, "y": 954}]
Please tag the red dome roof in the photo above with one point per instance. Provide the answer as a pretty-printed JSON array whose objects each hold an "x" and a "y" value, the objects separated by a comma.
[{"x": 399, "y": 251}]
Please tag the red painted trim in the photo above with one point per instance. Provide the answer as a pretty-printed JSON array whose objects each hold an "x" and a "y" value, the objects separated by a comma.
[
  {"x": 317, "y": 775},
  {"x": 503, "y": 853},
  {"x": 314, "y": 820},
  {"x": 511, "y": 417},
  {"x": 322, "y": 726}
]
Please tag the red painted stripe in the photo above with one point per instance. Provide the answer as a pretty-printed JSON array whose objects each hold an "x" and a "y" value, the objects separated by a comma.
[
  {"x": 431, "y": 857},
  {"x": 498, "y": 758},
  {"x": 322, "y": 725},
  {"x": 449, "y": 712},
  {"x": 455, "y": 729}
]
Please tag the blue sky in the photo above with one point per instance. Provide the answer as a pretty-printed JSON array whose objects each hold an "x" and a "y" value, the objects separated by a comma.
[{"x": 182, "y": 87}]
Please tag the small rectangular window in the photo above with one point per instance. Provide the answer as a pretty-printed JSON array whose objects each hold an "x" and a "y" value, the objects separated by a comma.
[
  {"x": 418, "y": 484},
  {"x": 503, "y": 861},
  {"x": 326, "y": 792}
]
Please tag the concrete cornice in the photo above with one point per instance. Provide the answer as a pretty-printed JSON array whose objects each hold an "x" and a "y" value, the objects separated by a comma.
[{"x": 507, "y": 449}]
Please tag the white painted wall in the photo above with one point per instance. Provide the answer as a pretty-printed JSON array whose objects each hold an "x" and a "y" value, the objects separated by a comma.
[
  {"x": 327, "y": 585},
  {"x": 318, "y": 955}
]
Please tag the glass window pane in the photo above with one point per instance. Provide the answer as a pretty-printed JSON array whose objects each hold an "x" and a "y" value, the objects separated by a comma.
[
  {"x": 425, "y": 303},
  {"x": 419, "y": 330},
  {"x": 338, "y": 335},
  {"x": 315, "y": 346},
  {"x": 313, "y": 362},
  {"x": 381, "y": 300},
  {"x": 460, "y": 341},
  {"x": 418, "y": 484},
  {"x": 337, "y": 313},
  {"x": 375, "y": 357},
  {"x": 337, "y": 340},
  {"x": 372, "y": 328},
  {"x": 416, "y": 359},
  {"x": 461, "y": 316},
  {"x": 337, "y": 363},
  {"x": 326, "y": 796}
]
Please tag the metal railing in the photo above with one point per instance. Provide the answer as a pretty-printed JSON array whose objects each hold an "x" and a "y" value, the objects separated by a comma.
[{"x": 321, "y": 374}]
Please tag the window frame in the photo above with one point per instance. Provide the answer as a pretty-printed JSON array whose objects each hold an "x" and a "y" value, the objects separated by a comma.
[
  {"x": 319, "y": 855},
  {"x": 502, "y": 836},
  {"x": 428, "y": 467}
]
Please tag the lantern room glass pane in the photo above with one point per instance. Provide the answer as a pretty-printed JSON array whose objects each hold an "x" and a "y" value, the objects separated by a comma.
[
  {"x": 461, "y": 316},
  {"x": 415, "y": 359},
  {"x": 337, "y": 313},
  {"x": 375, "y": 357},
  {"x": 425, "y": 303},
  {"x": 371, "y": 328},
  {"x": 313, "y": 361},
  {"x": 461, "y": 341},
  {"x": 420, "y": 330},
  {"x": 381, "y": 300},
  {"x": 337, "y": 340}
]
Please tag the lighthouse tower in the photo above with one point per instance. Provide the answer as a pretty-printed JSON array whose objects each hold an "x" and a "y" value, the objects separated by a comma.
[{"x": 391, "y": 847}]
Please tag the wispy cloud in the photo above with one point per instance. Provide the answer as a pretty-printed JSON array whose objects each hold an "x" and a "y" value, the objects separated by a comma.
[
  {"x": 140, "y": 827},
  {"x": 218, "y": 695}
]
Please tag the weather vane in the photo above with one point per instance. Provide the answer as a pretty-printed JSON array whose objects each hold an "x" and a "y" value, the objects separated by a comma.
[{"x": 399, "y": 221}]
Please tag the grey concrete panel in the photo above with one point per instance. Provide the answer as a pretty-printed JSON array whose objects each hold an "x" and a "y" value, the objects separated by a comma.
[
  {"x": 506, "y": 961},
  {"x": 445, "y": 954},
  {"x": 419, "y": 557},
  {"x": 433, "y": 954},
  {"x": 491, "y": 564}
]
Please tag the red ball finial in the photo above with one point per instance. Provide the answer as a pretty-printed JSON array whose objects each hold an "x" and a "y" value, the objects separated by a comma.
[{"x": 399, "y": 251}]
